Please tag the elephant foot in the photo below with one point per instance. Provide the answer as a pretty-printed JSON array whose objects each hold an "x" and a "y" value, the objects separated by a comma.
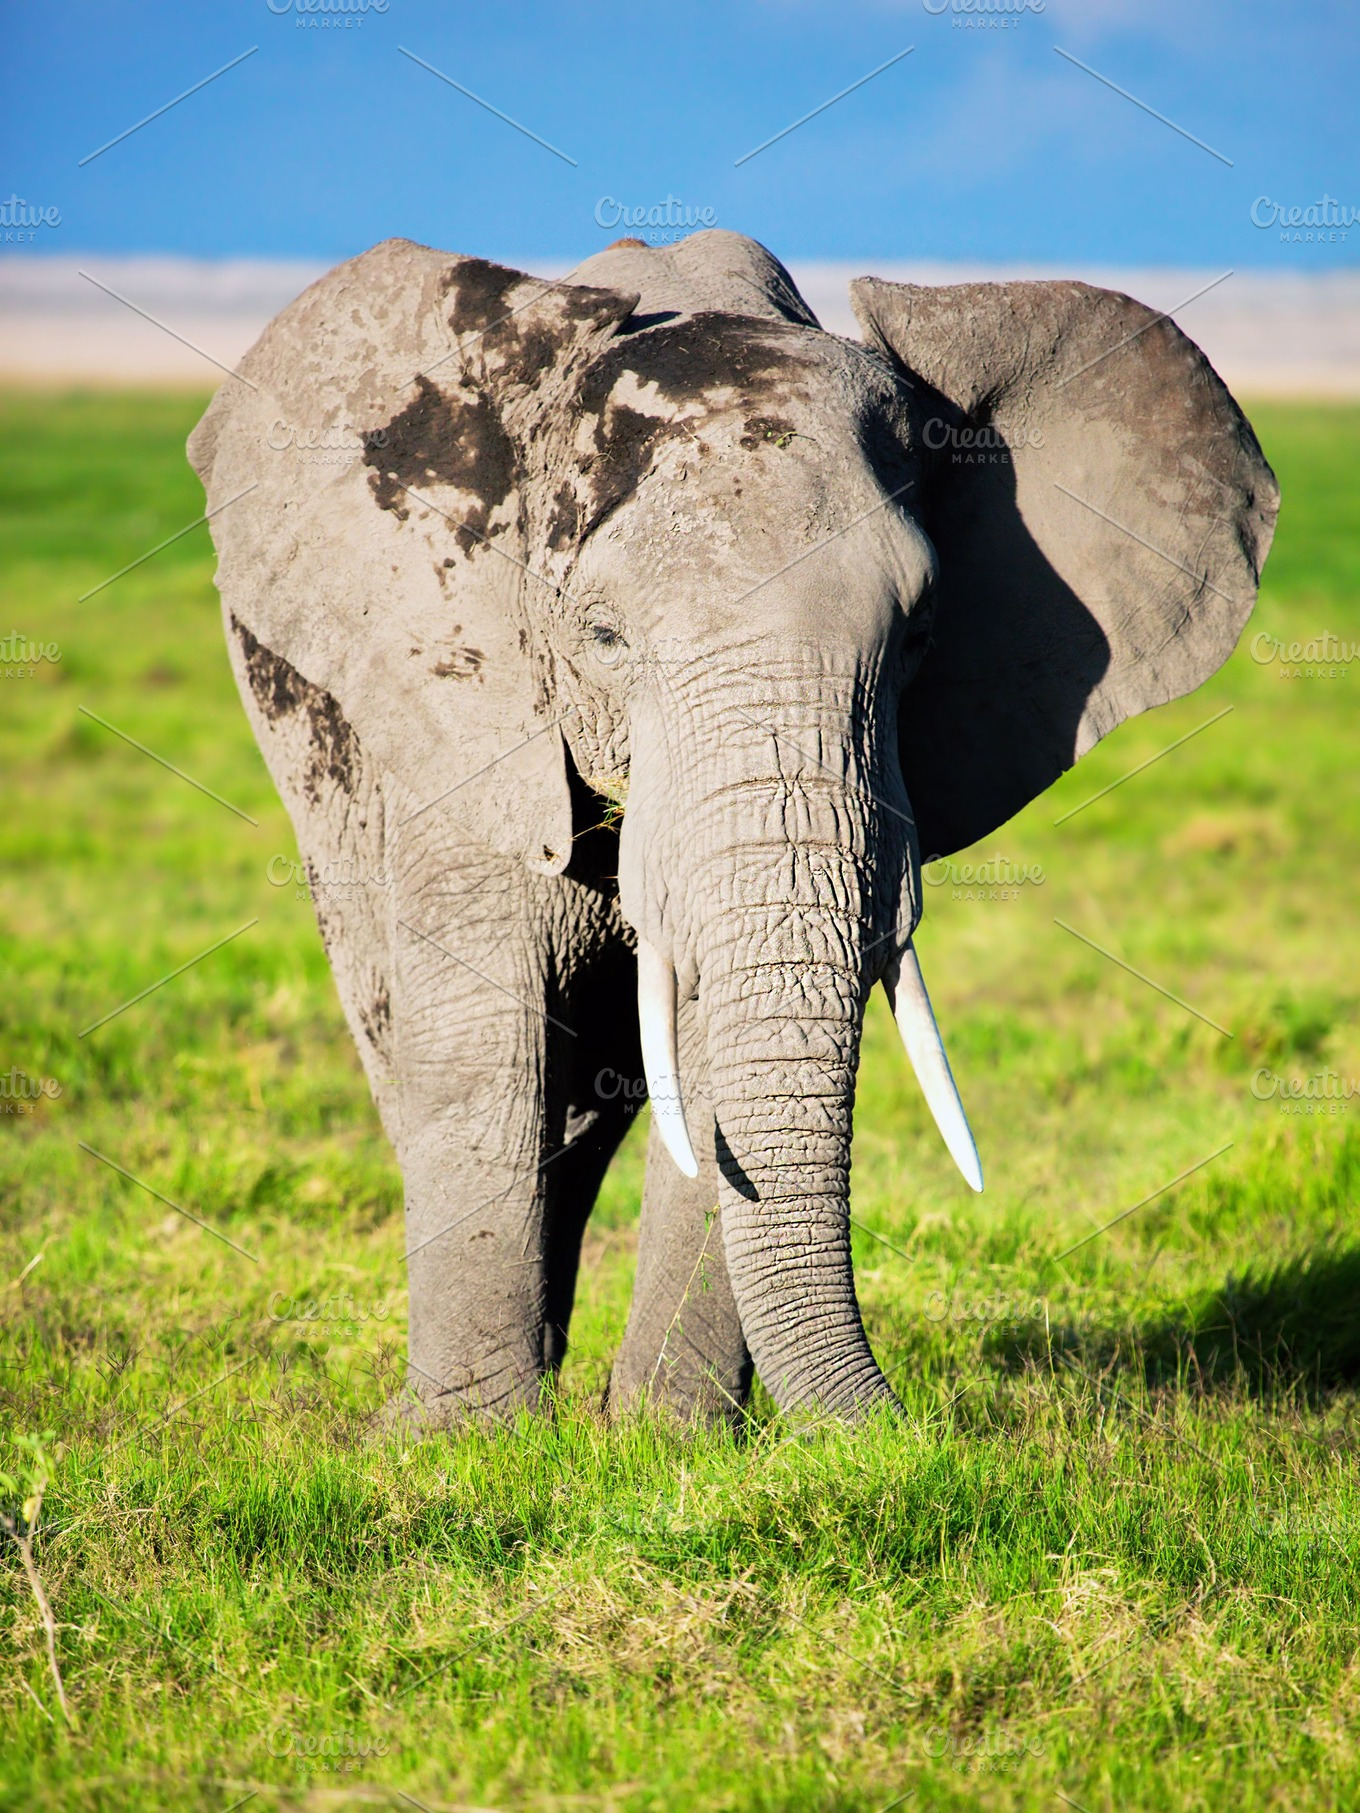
[
  {"x": 409, "y": 1416},
  {"x": 708, "y": 1399},
  {"x": 413, "y": 1413}
]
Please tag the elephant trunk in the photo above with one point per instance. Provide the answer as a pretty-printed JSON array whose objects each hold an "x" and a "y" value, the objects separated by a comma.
[
  {"x": 782, "y": 993},
  {"x": 779, "y": 890}
]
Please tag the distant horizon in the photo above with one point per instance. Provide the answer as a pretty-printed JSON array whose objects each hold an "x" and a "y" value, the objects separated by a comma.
[
  {"x": 1305, "y": 261},
  {"x": 170, "y": 318}
]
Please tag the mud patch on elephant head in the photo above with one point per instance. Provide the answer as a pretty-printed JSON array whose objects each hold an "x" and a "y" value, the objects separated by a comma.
[
  {"x": 565, "y": 524},
  {"x": 654, "y": 387},
  {"x": 457, "y": 440},
  {"x": 479, "y": 290},
  {"x": 522, "y": 326},
  {"x": 627, "y": 442},
  {"x": 767, "y": 430},
  {"x": 694, "y": 359},
  {"x": 461, "y": 664},
  {"x": 279, "y": 690}
]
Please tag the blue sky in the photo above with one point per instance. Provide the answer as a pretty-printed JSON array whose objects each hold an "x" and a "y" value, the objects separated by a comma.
[{"x": 983, "y": 144}]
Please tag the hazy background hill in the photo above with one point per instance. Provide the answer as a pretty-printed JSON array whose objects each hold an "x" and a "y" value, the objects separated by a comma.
[{"x": 1267, "y": 332}]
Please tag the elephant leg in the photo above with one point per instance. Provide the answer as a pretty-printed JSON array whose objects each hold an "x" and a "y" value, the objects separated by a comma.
[
  {"x": 441, "y": 964},
  {"x": 477, "y": 1038},
  {"x": 517, "y": 996},
  {"x": 683, "y": 1347}
]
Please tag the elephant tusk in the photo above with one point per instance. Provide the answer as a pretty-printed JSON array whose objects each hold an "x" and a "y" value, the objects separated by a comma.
[
  {"x": 660, "y": 1059},
  {"x": 905, "y": 988}
]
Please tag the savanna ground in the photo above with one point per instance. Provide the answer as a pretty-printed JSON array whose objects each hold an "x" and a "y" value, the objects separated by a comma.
[{"x": 1113, "y": 1556}]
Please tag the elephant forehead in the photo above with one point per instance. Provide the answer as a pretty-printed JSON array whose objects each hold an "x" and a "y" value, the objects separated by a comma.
[{"x": 714, "y": 398}]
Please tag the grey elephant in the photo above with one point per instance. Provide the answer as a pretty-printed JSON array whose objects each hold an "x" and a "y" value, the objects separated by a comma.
[{"x": 645, "y": 638}]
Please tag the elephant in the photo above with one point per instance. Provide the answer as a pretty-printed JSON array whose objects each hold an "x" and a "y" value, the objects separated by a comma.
[{"x": 645, "y": 638}]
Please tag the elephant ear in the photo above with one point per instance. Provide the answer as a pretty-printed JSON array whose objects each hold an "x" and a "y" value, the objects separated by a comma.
[
  {"x": 369, "y": 474},
  {"x": 1101, "y": 511}
]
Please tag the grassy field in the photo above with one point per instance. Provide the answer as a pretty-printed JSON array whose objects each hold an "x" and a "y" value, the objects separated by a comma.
[{"x": 1113, "y": 1558}]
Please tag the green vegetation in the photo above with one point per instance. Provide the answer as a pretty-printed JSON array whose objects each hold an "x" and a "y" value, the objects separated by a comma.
[{"x": 1113, "y": 1556}]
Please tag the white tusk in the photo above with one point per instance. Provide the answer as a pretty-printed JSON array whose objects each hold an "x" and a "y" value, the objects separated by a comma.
[
  {"x": 660, "y": 1060},
  {"x": 905, "y": 988}
]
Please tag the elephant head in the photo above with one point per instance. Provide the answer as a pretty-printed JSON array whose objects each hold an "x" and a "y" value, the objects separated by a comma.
[{"x": 809, "y": 610}]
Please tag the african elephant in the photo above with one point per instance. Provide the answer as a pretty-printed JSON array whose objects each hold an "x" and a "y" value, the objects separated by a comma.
[{"x": 644, "y": 638}]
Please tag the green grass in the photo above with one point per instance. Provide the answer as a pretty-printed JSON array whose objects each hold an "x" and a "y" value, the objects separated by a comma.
[{"x": 1112, "y": 1555}]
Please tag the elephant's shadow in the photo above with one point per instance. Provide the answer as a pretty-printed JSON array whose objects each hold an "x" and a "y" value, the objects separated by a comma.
[{"x": 1290, "y": 1330}]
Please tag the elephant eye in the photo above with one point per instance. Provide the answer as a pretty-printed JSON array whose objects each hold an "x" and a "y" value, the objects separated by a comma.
[{"x": 609, "y": 645}]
